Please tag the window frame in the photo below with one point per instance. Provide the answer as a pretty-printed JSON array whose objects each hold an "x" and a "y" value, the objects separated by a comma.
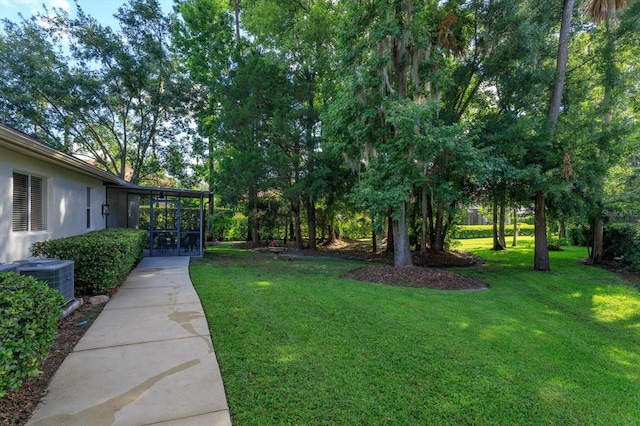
[
  {"x": 89, "y": 206},
  {"x": 31, "y": 204}
]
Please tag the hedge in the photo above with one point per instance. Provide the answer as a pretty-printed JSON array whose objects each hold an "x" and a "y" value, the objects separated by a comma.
[
  {"x": 622, "y": 243},
  {"x": 486, "y": 231},
  {"x": 29, "y": 313},
  {"x": 103, "y": 259}
]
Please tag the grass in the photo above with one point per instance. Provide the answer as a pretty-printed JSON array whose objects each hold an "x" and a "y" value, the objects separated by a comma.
[{"x": 297, "y": 344}]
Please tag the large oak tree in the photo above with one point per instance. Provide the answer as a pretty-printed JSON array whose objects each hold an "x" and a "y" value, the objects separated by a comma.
[{"x": 119, "y": 97}]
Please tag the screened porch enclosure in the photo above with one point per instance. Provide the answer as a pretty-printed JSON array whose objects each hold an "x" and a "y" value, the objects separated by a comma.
[
  {"x": 174, "y": 218},
  {"x": 173, "y": 224}
]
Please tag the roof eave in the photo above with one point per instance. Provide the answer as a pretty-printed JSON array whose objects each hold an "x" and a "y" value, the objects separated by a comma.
[
  {"x": 22, "y": 144},
  {"x": 144, "y": 190}
]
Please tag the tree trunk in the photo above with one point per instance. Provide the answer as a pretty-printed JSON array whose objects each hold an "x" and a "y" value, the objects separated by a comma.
[
  {"x": 437, "y": 242},
  {"x": 374, "y": 242},
  {"x": 541, "y": 259},
  {"x": 451, "y": 216},
  {"x": 425, "y": 220},
  {"x": 310, "y": 148},
  {"x": 323, "y": 221},
  {"x": 298, "y": 227},
  {"x": 501, "y": 219},
  {"x": 561, "y": 63},
  {"x": 413, "y": 212},
  {"x": 292, "y": 231},
  {"x": 498, "y": 225},
  {"x": 611, "y": 76},
  {"x": 402, "y": 250},
  {"x": 236, "y": 9},
  {"x": 209, "y": 217},
  {"x": 598, "y": 240},
  {"x": 390, "y": 243},
  {"x": 541, "y": 256},
  {"x": 598, "y": 237},
  {"x": 311, "y": 222},
  {"x": 286, "y": 232},
  {"x": 432, "y": 232},
  {"x": 515, "y": 228},
  {"x": 254, "y": 217},
  {"x": 496, "y": 243},
  {"x": 333, "y": 237},
  {"x": 210, "y": 207},
  {"x": 562, "y": 229}
]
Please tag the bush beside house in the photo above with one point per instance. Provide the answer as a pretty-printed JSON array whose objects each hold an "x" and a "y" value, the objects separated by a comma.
[
  {"x": 103, "y": 259},
  {"x": 29, "y": 313}
]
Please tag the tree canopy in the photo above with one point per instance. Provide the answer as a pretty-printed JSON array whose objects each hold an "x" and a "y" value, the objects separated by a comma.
[
  {"x": 118, "y": 97},
  {"x": 303, "y": 113}
]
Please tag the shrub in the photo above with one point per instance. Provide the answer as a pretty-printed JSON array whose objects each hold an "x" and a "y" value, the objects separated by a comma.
[
  {"x": 238, "y": 229},
  {"x": 486, "y": 231},
  {"x": 622, "y": 241},
  {"x": 556, "y": 244},
  {"x": 578, "y": 236},
  {"x": 102, "y": 258},
  {"x": 29, "y": 313},
  {"x": 220, "y": 222},
  {"x": 357, "y": 227}
]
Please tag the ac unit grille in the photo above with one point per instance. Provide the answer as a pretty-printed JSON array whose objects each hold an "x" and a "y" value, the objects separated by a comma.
[{"x": 58, "y": 274}]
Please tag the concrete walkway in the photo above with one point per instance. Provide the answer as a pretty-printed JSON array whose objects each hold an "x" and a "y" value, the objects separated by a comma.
[{"x": 147, "y": 359}]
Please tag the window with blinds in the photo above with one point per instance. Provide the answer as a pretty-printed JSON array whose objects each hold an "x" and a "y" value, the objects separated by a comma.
[
  {"x": 88, "y": 207},
  {"x": 20, "y": 202},
  {"x": 28, "y": 203}
]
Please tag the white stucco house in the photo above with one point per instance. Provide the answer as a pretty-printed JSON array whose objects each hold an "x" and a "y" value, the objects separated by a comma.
[{"x": 46, "y": 194}]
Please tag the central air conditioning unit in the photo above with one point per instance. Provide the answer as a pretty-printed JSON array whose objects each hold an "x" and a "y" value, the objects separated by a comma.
[
  {"x": 9, "y": 267},
  {"x": 56, "y": 273}
]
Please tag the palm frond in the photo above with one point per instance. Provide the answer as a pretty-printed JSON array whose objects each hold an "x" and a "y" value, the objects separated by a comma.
[{"x": 598, "y": 9}]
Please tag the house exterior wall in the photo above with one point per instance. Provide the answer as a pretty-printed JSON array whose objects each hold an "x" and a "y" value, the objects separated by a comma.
[
  {"x": 66, "y": 204},
  {"x": 474, "y": 217}
]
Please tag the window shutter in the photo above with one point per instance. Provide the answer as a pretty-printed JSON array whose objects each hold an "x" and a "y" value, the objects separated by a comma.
[
  {"x": 20, "y": 202},
  {"x": 37, "y": 204}
]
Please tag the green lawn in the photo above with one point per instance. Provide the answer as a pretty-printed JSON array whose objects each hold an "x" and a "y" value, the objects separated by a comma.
[{"x": 298, "y": 345}]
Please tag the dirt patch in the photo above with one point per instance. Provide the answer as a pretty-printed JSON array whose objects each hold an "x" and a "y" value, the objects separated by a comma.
[{"x": 17, "y": 407}]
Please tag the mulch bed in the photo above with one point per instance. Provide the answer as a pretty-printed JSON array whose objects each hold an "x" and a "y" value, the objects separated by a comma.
[
  {"x": 422, "y": 275},
  {"x": 417, "y": 277},
  {"x": 17, "y": 406}
]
